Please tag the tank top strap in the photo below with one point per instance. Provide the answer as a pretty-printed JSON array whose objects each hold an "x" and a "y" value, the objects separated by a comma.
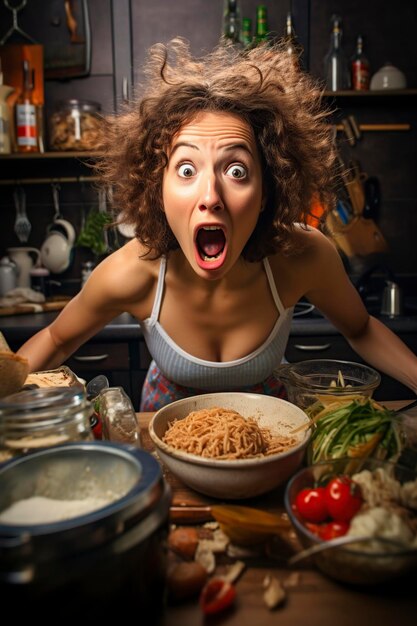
[
  {"x": 159, "y": 291},
  {"x": 272, "y": 286}
]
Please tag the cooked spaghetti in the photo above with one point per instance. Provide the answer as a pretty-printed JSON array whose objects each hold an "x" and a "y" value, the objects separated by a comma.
[{"x": 224, "y": 434}]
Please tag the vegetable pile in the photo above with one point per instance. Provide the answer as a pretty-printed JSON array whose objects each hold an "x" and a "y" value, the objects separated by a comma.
[
  {"x": 355, "y": 427},
  {"x": 327, "y": 511}
]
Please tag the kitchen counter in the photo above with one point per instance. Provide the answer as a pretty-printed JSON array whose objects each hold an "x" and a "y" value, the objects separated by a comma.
[
  {"x": 120, "y": 346},
  {"x": 316, "y": 600},
  {"x": 19, "y": 328}
]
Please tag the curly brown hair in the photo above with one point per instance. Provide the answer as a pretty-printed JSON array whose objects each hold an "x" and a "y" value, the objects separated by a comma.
[{"x": 266, "y": 88}]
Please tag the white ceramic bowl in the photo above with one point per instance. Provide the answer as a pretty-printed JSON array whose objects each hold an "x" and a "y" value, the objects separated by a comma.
[
  {"x": 388, "y": 77},
  {"x": 240, "y": 478}
]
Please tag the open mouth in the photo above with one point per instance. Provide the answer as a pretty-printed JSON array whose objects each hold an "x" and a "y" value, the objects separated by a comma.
[{"x": 211, "y": 243}]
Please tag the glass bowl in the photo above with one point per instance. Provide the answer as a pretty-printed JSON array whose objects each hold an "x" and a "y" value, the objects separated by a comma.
[
  {"x": 362, "y": 563},
  {"x": 305, "y": 381}
]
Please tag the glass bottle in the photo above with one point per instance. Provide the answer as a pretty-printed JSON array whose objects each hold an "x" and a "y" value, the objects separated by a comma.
[
  {"x": 261, "y": 23},
  {"x": 335, "y": 64},
  {"x": 292, "y": 46},
  {"x": 247, "y": 37},
  {"x": 231, "y": 22},
  {"x": 26, "y": 118},
  {"x": 360, "y": 70}
]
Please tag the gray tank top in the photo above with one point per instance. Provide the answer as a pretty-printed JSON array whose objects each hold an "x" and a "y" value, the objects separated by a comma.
[{"x": 184, "y": 369}]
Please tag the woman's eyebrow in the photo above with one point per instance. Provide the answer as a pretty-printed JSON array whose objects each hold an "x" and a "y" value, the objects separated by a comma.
[
  {"x": 239, "y": 146},
  {"x": 183, "y": 143}
]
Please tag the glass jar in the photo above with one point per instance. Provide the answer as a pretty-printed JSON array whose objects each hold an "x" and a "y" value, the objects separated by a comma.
[
  {"x": 74, "y": 125},
  {"x": 40, "y": 418},
  {"x": 118, "y": 417}
]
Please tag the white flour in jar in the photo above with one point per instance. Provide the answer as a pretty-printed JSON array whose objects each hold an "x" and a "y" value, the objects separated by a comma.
[{"x": 41, "y": 510}]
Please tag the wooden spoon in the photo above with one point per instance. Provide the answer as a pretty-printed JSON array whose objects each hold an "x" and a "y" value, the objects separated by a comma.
[{"x": 248, "y": 526}]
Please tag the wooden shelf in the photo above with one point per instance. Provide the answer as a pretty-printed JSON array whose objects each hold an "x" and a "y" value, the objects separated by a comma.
[
  {"x": 49, "y": 155},
  {"x": 383, "y": 93}
]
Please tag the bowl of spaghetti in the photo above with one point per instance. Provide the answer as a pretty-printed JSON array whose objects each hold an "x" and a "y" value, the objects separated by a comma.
[{"x": 231, "y": 445}]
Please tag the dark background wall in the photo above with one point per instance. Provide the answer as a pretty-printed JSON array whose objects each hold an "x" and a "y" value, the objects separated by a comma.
[{"x": 122, "y": 31}]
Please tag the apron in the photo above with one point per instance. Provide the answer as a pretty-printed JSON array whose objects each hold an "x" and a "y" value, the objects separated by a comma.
[{"x": 158, "y": 391}]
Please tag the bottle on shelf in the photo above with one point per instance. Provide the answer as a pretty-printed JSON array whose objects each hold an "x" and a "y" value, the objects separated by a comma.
[
  {"x": 360, "y": 71},
  {"x": 26, "y": 114},
  {"x": 232, "y": 22},
  {"x": 335, "y": 63},
  {"x": 5, "y": 117},
  {"x": 247, "y": 37},
  {"x": 291, "y": 43},
  {"x": 261, "y": 24}
]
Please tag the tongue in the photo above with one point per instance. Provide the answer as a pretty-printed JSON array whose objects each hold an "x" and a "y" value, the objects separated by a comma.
[{"x": 211, "y": 242}]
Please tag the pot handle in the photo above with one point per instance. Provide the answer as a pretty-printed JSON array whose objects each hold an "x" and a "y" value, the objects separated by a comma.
[{"x": 68, "y": 228}]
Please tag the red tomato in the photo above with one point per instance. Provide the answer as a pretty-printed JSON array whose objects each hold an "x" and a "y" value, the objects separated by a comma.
[
  {"x": 96, "y": 425},
  {"x": 311, "y": 504},
  {"x": 343, "y": 498},
  {"x": 217, "y": 595},
  {"x": 333, "y": 529},
  {"x": 314, "y": 528}
]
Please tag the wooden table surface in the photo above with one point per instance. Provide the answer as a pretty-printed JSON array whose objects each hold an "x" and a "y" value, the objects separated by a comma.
[{"x": 315, "y": 601}]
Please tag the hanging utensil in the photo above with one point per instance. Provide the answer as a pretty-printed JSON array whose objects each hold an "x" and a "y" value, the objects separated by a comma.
[
  {"x": 22, "y": 226},
  {"x": 15, "y": 28},
  {"x": 55, "y": 197},
  {"x": 102, "y": 207}
]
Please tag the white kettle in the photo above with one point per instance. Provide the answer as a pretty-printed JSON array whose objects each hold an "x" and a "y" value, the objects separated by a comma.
[{"x": 56, "y": 250}]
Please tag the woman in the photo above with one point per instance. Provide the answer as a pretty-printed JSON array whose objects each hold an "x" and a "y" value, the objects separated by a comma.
[{"x": 216, "y": 166}]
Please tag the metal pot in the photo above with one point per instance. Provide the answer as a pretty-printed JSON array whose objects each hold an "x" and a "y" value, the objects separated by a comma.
[
  {"x": 392, "y": 299},
  {"x": 94, "y": 562}
]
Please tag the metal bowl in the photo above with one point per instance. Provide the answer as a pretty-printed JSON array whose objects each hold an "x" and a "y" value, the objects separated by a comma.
[
  {"x": 241, "y": 478},
  {"x": 114, "y": 550},
  {"x": 362, "y": 563}
]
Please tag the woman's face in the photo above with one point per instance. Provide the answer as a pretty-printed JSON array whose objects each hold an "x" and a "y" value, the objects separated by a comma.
[{"x": 212, "y": 191}]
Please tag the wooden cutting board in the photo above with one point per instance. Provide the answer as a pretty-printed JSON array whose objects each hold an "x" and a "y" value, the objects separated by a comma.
[{"x": 31, "y": 307}]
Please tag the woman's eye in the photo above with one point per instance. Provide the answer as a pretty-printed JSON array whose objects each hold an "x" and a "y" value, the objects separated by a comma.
[
  {"x": 186, "y": 170},
  {"x": 236, "y": 171}
]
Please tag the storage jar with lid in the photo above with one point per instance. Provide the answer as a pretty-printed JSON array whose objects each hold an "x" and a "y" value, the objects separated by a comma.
[
  {"x": 40, "y": 418},
  {"x": 74, "y": 125}
]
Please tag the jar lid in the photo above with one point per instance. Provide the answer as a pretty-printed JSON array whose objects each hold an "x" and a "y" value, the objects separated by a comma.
[
  {"x": 29, "y": 399},
  {"x": 75, "y": 103}
]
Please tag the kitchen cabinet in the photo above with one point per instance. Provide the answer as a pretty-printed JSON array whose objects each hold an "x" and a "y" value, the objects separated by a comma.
[{"x": 125, "y": 363}]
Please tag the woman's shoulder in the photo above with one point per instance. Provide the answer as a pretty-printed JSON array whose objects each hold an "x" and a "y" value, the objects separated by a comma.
[
  {"x": 309, "y": 245},
  {"x": 297, "y": 272},
  {"x": 128, "y": 274}
]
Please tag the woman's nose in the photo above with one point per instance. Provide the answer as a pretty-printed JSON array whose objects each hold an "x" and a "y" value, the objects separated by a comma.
[{"x": 211, "y": 197}]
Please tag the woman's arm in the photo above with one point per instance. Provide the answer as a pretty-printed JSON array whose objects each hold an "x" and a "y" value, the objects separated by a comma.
[
  {"x": 79, "y": 321},
  {"x": 120, "y": 283},
  {"x": 333, "y": 293},
  {"x": 380, "y": 347}
]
